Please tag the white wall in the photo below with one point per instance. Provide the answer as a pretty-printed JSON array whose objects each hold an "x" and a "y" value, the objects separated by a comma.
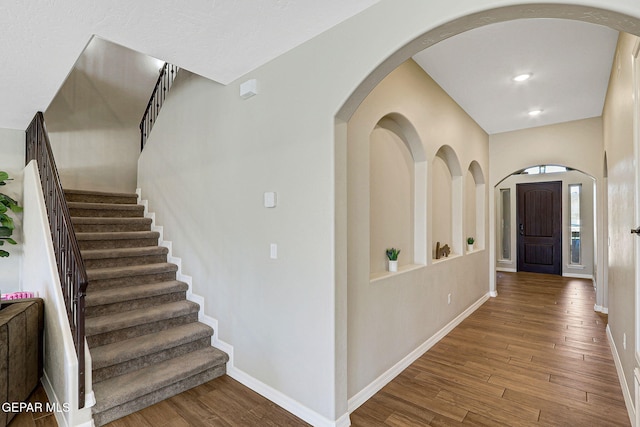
[
  {"x": 93, "y": 120},
  {"x": 12, "y": 149},
  {"x": 585, "y": 269},
  {"x": 215, "y": 157},
  {"x": 622, "y": 163},
  {"x": 60, "y": 378}
]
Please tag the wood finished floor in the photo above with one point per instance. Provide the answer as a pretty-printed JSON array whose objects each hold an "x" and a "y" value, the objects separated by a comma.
[{"x": 537, "y": 355}]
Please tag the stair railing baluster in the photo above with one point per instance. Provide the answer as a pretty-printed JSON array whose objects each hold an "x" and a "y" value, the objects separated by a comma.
[
  {"x": 71, "y": 270},
  {"x": 165, "y": 80}
]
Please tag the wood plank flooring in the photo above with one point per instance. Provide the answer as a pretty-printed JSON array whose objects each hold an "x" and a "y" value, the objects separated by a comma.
[{"x": 537, "y": 355}]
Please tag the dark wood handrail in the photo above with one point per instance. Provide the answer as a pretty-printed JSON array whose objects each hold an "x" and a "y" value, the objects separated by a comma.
[
  {"x": 165, "y": 80},
  {"x": 73, "y": 276}
]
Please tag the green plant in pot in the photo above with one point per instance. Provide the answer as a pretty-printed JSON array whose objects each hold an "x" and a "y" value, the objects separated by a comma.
[
  {"x": 392, "y": 256},
  {"x": 470, "y": 242},
  {"x": 6, "y": 222}
]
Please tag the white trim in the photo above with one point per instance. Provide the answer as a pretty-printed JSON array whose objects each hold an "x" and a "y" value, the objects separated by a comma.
[
  {"x": 600, "y": 309},
  {"x": 285, "y": 402},
  {"x": 506, "y": 270},
  {"x": 628, "y": 400},
  {"x": 53, "y": 398},
  {"x": 242, "y": 377},
  {"x": 377, "y": 384},
  {"x": 636, "y": 386},
  {"x": 578, "y": 276},
  {"x": 493, "y": 294}
]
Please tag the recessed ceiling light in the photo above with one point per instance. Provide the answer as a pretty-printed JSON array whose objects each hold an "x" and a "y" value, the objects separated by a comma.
[
  {"x": 534, "y": 113},
  {"x": 522, "y": 77}
]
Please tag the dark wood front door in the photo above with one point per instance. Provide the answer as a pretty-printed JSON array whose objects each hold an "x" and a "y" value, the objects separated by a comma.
[{"x": 540, "y": 227}]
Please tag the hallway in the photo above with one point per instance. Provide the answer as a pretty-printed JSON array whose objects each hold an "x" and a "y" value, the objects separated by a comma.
[{"x": 536, "y": 355}]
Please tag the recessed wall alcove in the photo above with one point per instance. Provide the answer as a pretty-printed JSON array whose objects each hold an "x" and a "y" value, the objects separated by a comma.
[
  {"x": 474, "y": 209},
  {"x": 447, "y": 200},
  {"x": 397, "y": 193}
]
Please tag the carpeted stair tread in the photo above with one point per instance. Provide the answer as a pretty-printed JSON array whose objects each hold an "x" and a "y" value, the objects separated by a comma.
[
  {"x": 115, "y": 295},
  {"x": 118, "y": 390},
  {"x": 90, "y": 224},
  {"x": 106, "y": 206},
  {"x": 117, "y": 235},
  {"x": 122, "y": 351},
  {"x": 90, "y": 254},
  {"x": 130, "y": 271},
  {"x": 113, "y": 322},
  {"x": 100, "y": 197}
]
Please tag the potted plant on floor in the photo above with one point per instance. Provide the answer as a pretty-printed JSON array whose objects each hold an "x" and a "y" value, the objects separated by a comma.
[
  {"x": 6, "y": 222},
  {"x": 470, "y": 241},
  {"x": 392, "y": 256}
]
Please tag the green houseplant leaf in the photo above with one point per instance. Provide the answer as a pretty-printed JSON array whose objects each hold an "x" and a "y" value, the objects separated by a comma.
[{"x": 7, "y": 222}]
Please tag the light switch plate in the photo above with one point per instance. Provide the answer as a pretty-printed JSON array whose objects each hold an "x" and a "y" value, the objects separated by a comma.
[{"x": 270, "y": 199}]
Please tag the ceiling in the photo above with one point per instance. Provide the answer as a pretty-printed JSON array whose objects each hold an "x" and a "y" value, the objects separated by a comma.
[
  {"x": 570, "y": 62},
  {"x": 218, "y": 39},
  {"x": 42, "y": 39}
]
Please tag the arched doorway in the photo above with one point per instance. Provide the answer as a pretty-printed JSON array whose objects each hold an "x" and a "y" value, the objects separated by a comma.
[{"x": 613, "y": 19}]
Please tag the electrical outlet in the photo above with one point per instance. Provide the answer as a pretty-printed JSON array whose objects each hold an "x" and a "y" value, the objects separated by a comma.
[{"x": 449, "y": 299}]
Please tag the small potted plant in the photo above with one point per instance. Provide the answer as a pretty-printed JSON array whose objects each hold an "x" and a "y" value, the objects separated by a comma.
[
  {"x": 392, "y": 256},
  {"x": 6, "y": 222},
  {"x": 470, "y": 241}
]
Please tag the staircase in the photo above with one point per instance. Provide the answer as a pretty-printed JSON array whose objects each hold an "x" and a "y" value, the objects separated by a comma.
[{"x": 145, "y": 339}]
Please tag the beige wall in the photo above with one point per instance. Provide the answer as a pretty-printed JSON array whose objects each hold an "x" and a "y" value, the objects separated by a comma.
[
  {"x": 576, "y": 144},
  {"x": 389, "y": 316},
  {"x": 391, "y": 177},
  {"x": 618, "y": 138}
]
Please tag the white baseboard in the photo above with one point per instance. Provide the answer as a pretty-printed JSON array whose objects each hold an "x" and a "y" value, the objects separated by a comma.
[
  {"x": 506, "y": 269},
  {"x": 53, "y": 398},
  {"x": 367, "y": 392},
  {"x": 242, "y": 377},
  {"x": 578, "y": 276},
  {"x": 628, "y": 399},
  {"x": 600, "y": 309},
  {"x": 285, "y": 402}
]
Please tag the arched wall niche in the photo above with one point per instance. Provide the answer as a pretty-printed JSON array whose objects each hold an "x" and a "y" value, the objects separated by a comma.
[
  {"x": 397, "y": 188},
  {"x": 475, "y": 205},
  {"x": 447, "y": 200}
]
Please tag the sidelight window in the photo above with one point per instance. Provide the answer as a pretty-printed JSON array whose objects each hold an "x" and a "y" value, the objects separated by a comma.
[{"x": 575, "y": 191}]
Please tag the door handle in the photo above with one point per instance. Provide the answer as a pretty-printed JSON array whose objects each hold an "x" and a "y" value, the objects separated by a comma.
[
  {"x": 636, "y": 231},
  {"x": 522, "y": 229}
]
